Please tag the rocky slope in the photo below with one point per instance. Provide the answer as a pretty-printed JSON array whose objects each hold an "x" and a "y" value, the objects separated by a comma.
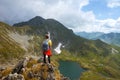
[
  {"x": 9, "y": 47},
  {"x": 31, "y": 69}
]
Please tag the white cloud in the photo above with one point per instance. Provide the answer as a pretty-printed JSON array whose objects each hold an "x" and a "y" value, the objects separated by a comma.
[
  {"x": 16, "y": 10},
  {"x": 84, "y": 3},
  {"x": 113, "y": 3},
  {"x": 68, "y": 12},
  {"x": 106, "y": 26},
  {"x": 111, "y": 25}
]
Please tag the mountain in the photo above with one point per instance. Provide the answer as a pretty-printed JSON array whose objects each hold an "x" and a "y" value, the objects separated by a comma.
[
  {"x": 92, "y": 35},
  {"x": 93, "y": 55},
  {"x": 37, "y": 21},
  {"x": 59, "y": 33},
  {"x": 15, "y": 44},
  {"x": 110, "y": 38}
]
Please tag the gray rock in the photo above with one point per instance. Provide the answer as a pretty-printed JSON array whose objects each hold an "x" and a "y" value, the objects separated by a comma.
[
  {"x": 20, "y": 65},
  {"x": 14, "y": 77}
]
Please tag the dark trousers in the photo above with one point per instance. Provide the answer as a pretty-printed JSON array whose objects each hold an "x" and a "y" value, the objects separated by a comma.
[{"x": 45, "y": 58}]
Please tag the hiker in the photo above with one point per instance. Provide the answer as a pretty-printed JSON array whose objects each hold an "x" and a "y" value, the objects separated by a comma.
[{"x": 47, "y": 44}]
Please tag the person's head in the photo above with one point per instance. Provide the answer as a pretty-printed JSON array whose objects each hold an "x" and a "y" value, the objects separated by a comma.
[{"x": 47, "y": 35}]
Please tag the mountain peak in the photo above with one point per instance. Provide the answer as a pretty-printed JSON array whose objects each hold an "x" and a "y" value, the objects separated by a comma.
[
  {"x": 36, "y": 21},
  {"x": 37, "y": 18}
]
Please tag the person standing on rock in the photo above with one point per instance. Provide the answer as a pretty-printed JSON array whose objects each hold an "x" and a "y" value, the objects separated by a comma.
[{"x": 46, "y": 47}]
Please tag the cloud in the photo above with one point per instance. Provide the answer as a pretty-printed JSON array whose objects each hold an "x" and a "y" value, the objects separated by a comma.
[
  {"x": 68, "y": 12},
  {"x": 106, "y": 26},
  {"x": 111, "y": 25},
  {"x": 113, "y": 3},
  {"x": 15, "y": 11}
]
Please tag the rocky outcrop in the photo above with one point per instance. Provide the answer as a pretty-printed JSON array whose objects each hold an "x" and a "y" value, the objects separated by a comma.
[{"x": 32, "y": 69}]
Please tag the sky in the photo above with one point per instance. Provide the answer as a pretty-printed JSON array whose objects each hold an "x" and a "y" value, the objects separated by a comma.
[{"x": 78, "y": 15}]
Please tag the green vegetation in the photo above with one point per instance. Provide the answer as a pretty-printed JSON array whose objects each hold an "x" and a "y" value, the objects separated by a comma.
[
  {"x": 9, "y": 49},
  {"x": 97, "y": 68},
  {"x": 100, "y": 59}
]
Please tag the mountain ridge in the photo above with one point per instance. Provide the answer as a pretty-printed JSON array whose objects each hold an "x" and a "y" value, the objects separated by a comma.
[
  {"x": 93, "y": 55},
  {"x": 110, "y": 38},
  {"x": 56, "y": 29}
]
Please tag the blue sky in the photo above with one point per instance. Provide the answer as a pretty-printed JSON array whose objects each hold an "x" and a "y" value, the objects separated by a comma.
[
  {"x": 101, "y": 10},
  {"x": 78, "y": 15}
]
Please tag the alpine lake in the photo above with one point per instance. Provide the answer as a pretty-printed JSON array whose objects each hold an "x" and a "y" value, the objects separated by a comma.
[{"x": 71, "y": 69}]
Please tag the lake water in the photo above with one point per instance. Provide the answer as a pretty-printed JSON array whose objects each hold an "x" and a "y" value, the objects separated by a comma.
[{"x": 70, "y": 69}]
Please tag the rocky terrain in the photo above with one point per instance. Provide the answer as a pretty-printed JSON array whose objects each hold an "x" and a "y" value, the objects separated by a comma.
[{"x": 31, "y": 69}]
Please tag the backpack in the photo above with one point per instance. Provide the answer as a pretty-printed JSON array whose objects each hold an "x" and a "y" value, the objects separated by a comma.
[{"x": 45, "y": 45}]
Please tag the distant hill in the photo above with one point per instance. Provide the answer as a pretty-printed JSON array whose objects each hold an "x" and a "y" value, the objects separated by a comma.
[
  {"x": 110, "y": 38},
  {"x": 90, "y": 35}
]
